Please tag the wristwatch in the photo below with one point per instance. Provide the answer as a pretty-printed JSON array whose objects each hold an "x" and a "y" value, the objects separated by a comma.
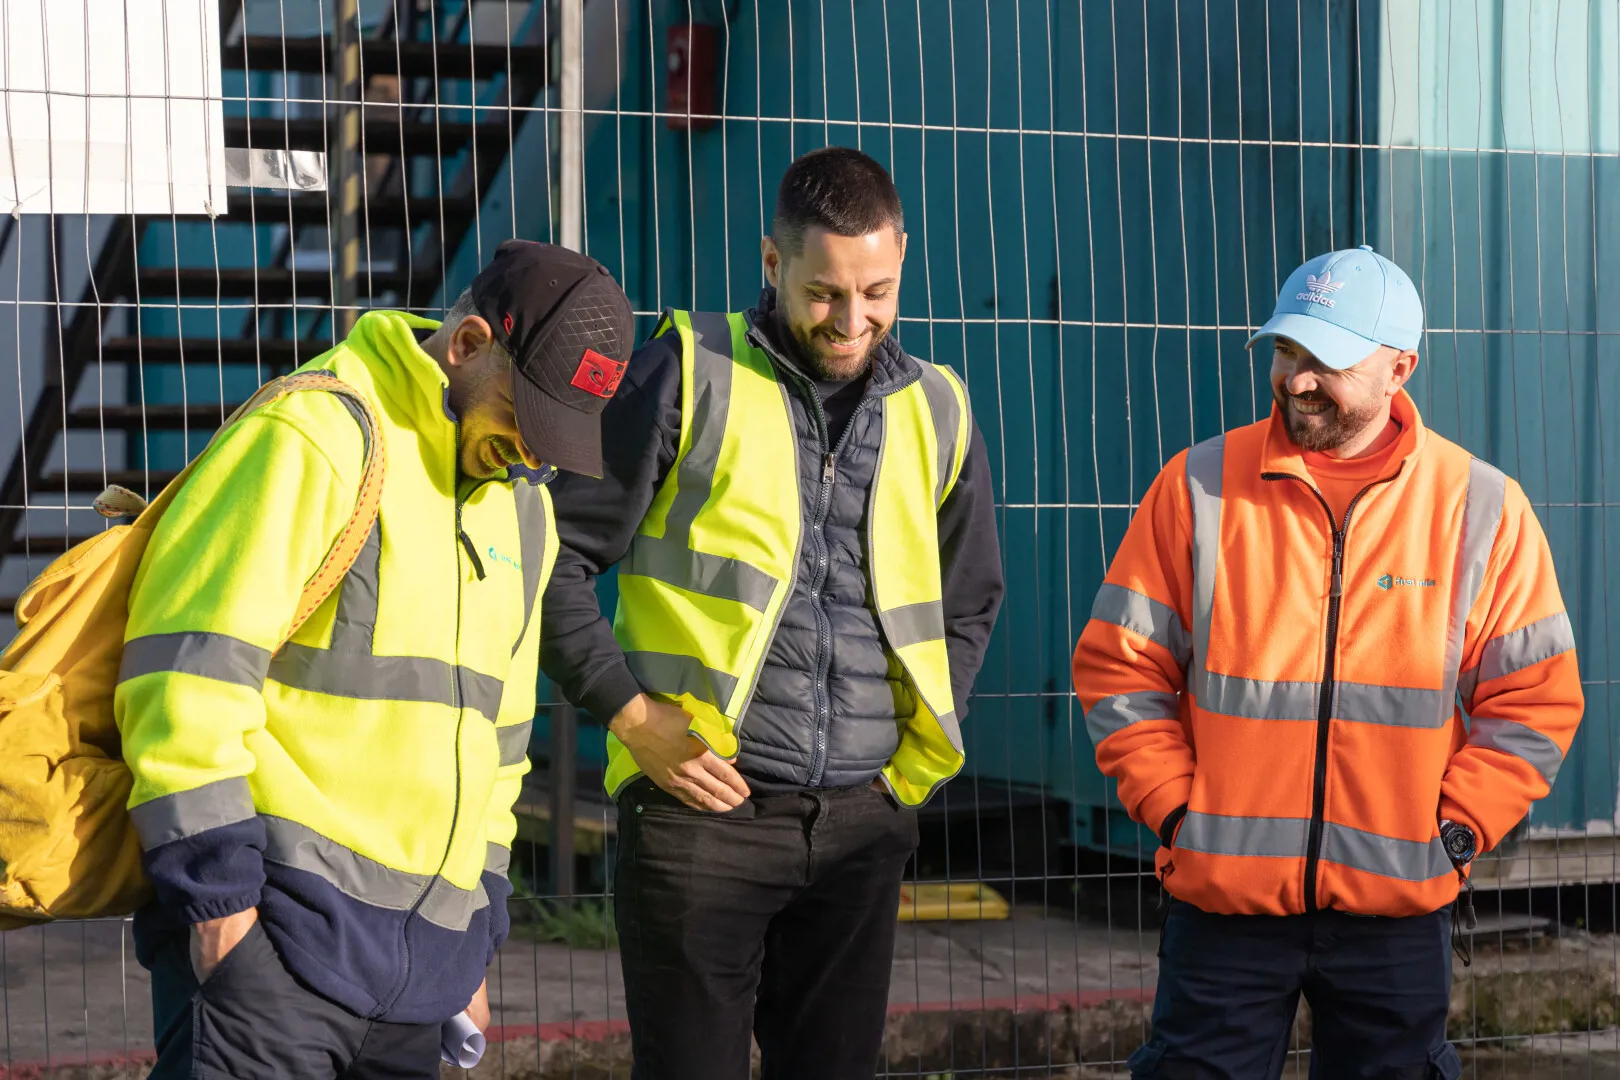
[{"x": 1458, "y": 840}]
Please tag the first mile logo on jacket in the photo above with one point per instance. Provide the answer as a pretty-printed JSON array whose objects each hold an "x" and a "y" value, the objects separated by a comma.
[{"x": 1393, "y": 581}]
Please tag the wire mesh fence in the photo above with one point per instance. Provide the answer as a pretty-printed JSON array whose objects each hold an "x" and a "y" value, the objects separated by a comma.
[{"x": 1102, "y": 200}]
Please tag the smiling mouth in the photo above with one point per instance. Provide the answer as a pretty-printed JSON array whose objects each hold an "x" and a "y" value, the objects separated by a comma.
[
  {"x": 496, "y": 455},
  {"x": 1307, "y": 407},
  {"x": 842, "y": 343}
]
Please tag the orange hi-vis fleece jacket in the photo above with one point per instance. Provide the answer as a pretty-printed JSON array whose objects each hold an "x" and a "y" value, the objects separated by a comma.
[{"x": 1282, "y": 695}]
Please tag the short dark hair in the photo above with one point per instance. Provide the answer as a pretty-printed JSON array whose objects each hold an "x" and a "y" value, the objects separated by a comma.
[{"x": 838, "y": 188}]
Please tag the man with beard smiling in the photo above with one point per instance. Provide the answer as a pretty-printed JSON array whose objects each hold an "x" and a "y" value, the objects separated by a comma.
[
  {"x": 1273, "y": 670},
  {"x": 810, "y": 573}
]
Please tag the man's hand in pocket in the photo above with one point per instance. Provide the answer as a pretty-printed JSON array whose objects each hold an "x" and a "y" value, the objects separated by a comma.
[
  {"x": 213, "y": 940},
  {"x": 656, "y": 735}
]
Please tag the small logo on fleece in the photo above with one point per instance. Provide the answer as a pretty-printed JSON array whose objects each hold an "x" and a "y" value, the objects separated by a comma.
[
  {"x": 507, "y": 560},
  {"x": 1320, "y": 290},
  {"x": 1391, "y": 581},
  {"x": 597, "y": 374}
]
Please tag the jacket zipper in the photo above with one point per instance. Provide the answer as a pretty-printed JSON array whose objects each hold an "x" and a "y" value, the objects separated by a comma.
[
  {"x": 1324, "y": 709},
  {"x": 457, "y": 702},
  {"x": 829, "y": 474}
]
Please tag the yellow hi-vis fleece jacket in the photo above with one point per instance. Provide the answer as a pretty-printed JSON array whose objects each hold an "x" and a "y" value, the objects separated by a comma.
[{"x": 357, "y": 786}]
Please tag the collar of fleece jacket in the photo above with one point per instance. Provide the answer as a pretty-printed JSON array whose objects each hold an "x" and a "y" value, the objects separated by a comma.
[{"x": 1282, "y": 456}]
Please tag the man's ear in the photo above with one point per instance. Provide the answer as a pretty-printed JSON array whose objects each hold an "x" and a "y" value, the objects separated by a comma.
[
  {"x": 771, "y": 256},
  {"x": 467, "y": 340},
  {"x": 1401, "y": 372}
]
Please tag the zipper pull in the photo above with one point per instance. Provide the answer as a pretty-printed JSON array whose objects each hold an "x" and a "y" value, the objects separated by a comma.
[
  {"x": 828, "y": 469},
  {"x": 472, "y": 553},
  {"x": 1338, "y": 565}
]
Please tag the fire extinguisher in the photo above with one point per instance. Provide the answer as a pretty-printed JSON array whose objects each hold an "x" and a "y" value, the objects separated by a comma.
[{"x": 689, "y": 77}]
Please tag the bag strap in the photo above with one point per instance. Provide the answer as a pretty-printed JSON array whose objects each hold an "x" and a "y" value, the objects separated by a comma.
[{"x": 120, "y": 502}]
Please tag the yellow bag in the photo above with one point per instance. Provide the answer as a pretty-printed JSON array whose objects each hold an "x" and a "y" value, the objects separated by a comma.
[{"x": 68, "y": 848}]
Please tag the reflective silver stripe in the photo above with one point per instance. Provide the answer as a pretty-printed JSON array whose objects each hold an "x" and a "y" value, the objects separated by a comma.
[
  {"x": 385, "y": 678},
  {"x": 952, "y": 728},
  {"x": 941, "y": 399},
  {"x": 1258, "y": 699},
  {"x": 1263, "y": 837},
  {"x": 1204, "y": 464},
  {"x": 1141, "y": 614},
  {"x": 355, "y": 623},
  {"x": 514, "y": 742},
  {"x": 1517, "y": 650},
  {"x": 669, "y": 673},
  {"x": 290, "y": 844},
  {"x": 666, "y": 559},
  {"x": 1386, "y": 856},
  {"x": 186, "y": 813},
  {"x": 670, "y": 558},
  {"x": 1285, "y": 838},
  {"x": 1482, "y": 517},
  {"x": 914, "y": 623},
  {"x": 1361, "y": 703},
  {"x": 211, "y": 656},
  {"x": 1523, "y": 742},
  {"x": 1119, "y": 711},
  {"x": 1397, "y": 706},
  {"x": 531, "y": 515},
  {"x": 497, "y": 859}
]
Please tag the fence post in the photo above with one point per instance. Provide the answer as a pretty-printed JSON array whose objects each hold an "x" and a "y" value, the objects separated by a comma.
[
  {"x": 564, "y": 741},
  {"x": 571, "y": 187},
  {"x": 346, "y": 168}
]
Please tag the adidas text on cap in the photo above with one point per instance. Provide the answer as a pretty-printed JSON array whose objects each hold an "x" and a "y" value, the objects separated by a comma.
[{"x": 1342, "y": 306}]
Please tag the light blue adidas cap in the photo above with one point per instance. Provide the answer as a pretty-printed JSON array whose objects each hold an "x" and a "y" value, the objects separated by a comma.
[{"x": 1343, "y": 305}]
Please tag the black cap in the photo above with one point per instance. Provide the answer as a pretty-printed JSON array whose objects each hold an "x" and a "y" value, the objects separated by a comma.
[{"x": 569, "y": 329}]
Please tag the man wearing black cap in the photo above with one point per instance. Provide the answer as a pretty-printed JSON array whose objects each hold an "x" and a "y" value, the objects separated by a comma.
[{"x": 326, "y": 818}]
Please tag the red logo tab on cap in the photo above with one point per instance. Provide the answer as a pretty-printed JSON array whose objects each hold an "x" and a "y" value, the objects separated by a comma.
[{"x": 597, "y": 374}]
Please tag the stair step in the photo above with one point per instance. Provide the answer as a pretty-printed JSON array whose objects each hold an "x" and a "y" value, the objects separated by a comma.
[
  {"x": 94, "y": 481},
  {"x": 447, "y": 60},
  {"x": 198, "y": 416},
  {"x": 267, "y": 352},
  {"x": 312, "y": 208},
  {"x": 273, "y": 283},
  {"x": 383, "y": 132}
]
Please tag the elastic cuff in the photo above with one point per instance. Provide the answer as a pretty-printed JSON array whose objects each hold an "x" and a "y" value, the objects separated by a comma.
[
  {"x": 1167, "y": 830},
  {"x": 218, "y": 909},
  {"x": 1157, "y": 805},
  {"x": 609, "y": 692}
]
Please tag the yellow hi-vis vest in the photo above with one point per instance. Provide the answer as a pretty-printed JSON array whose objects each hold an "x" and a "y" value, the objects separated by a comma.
[{"x": 710, "y": 569}]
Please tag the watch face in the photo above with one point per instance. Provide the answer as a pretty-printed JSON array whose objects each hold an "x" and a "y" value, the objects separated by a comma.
[{"x": 1459, "y": 843}]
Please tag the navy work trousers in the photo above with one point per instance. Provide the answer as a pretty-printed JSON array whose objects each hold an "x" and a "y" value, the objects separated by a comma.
[
  {"x": 253, "y": 1021},
  {"x": 1229, "y": 986}
]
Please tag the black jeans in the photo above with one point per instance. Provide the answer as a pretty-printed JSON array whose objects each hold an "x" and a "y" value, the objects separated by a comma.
[
  {"x": 251, "y": 1020},
  {"x": 775, "y": 919},
  {"x": 1229, "y": 985}
]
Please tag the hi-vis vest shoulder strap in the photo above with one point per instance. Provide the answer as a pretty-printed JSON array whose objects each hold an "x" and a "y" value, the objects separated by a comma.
[{"x": 703, "y": 586}]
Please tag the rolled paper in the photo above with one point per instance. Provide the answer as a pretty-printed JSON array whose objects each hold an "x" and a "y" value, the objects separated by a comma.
[{"x": 461, "y": 1043}]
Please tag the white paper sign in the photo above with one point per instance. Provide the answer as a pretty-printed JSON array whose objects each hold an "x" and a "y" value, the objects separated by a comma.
[{"x": 111, "y": 107}]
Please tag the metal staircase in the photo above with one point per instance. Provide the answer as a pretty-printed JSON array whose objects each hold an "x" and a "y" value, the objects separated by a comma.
[{"x": 424, "y": 174}]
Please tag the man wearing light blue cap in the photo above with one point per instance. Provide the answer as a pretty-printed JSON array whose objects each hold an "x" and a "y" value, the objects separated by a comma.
[
  {"x": 1272, "y": 671},
  {"x": 1345, "y": 335}
]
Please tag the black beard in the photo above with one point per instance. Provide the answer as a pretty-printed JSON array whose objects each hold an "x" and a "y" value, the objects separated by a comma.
[
  {"x": 1340, "y": 426},
  {"x": 803, "y": 352}
]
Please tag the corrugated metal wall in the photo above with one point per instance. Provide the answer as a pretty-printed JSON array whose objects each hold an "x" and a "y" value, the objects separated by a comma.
[{"x": 1102, "y": 198}]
